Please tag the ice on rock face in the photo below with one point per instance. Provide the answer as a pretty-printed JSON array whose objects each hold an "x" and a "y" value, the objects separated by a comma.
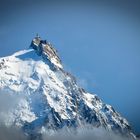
[{"x": 52, "y": 98}]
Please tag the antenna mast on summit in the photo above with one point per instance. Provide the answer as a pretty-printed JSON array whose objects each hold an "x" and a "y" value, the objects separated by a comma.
[{"x": 37, "y": 35}]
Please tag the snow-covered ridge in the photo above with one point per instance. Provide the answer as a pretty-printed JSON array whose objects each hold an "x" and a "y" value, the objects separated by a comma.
[{"x": 51, "y": 98}]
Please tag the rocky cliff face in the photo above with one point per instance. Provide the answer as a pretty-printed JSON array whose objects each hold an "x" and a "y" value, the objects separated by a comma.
[
  {"x": 51, "y": 98},
  {"x": 46, "y": 50}
]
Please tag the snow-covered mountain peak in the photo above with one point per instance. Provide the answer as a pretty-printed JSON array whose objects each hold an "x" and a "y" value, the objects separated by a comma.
[{"x": 51, "y": 98}]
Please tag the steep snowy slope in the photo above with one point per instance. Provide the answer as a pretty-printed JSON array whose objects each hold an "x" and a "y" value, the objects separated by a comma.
[{"x": 51, "y": 98}]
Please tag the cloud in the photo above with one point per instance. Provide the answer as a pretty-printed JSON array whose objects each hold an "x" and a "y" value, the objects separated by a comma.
[
  {"x": 8, "y": 102},
  {"x": 82, "y": 83},
  {"x": 83, "y": 134},
  {"x": 11, "y": 133}
]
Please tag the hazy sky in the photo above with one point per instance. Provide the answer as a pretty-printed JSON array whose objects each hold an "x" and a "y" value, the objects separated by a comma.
[{"x": 98, "y": 42}]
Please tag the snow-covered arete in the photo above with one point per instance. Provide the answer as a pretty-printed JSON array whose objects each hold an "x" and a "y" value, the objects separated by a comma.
[{"x": 51, "y": 97}]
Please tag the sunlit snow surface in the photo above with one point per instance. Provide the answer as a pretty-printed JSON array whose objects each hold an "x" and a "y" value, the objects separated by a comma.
[{"x": 51, "y": 98}]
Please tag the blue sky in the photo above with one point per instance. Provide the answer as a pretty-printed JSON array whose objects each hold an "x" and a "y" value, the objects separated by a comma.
[{"x": 98, "y": 42}]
